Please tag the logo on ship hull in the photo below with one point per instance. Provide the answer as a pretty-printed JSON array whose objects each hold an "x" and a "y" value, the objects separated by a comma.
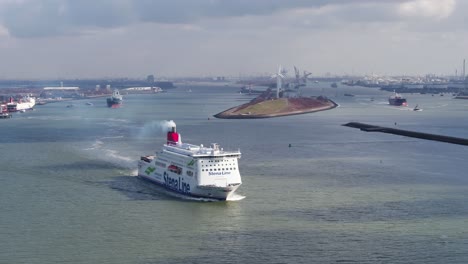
[
  {"x": 149, "y": 170},
  {"x": 176, "y": 184}
]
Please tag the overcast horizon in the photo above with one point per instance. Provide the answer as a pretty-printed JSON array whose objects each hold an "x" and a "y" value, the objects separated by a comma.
[{"x": 67, "y": 39}]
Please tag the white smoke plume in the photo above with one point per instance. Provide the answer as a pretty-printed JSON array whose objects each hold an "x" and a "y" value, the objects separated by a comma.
[{"x": 156, "y": 127}]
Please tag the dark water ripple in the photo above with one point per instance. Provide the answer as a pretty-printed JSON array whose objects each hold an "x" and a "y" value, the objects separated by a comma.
[
  {"x": 385, "y": 211},
  {"x": 313, "y": 246}
]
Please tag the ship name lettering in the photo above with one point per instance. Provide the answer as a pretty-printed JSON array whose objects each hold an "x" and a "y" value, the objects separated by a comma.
[
  {"x": 219, "y": 173},
  {"x": 176, "y": 184}
]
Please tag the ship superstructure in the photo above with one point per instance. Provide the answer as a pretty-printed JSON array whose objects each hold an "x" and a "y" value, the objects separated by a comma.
[{"x": 193, "y": 170}]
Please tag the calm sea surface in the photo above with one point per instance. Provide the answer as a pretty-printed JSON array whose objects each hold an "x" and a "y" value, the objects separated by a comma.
[{"x": 68, "y": 191}]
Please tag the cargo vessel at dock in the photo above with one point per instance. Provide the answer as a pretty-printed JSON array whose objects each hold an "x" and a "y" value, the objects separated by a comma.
[{"x": 192, "y": 170}]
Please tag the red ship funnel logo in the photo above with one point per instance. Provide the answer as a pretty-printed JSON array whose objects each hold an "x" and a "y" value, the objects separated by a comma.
[{"x": 172, "y": 137}]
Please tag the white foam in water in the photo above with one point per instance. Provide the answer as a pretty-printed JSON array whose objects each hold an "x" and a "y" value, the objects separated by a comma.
[
  {"x": 97, "y": 144},
  {"x": 235, "y": 197},
  {"x": 98, "y": 150},
  {"x": 114, "y": 157},
  {"x": 134, "y": 172}
]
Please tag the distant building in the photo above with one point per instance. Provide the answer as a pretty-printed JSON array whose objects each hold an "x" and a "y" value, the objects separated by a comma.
[
  {"x": 61, "y": 92},
  {"x": 150, "y": 78},
  {"x": 62, "y": 88}
]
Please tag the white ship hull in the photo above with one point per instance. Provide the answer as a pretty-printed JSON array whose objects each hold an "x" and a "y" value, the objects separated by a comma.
[
  {"x": 193, "y": 171},
  {"x": 28, "y": 104},
  {"x": 180, "y": 188}
]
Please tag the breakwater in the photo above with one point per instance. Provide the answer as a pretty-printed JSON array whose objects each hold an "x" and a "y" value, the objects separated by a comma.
[{"x": 408, "y": 133}]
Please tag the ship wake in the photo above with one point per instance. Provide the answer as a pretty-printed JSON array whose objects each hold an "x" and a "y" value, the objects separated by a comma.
[{"x": 99, "y": 151}]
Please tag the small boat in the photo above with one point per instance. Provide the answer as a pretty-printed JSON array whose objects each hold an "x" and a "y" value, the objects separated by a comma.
[
  {"x": 416, "y": 108},
  {"x": 348, "y": 94},
  {"x": 5, "y": 115},
  {"x": 89, "y": 103}
]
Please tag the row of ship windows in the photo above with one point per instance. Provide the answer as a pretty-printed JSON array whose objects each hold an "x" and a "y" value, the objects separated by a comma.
[
  {"x": 216, "y": 165},
  {"x": 214, "y": 161},
  {"x": 218, "y": 169}
]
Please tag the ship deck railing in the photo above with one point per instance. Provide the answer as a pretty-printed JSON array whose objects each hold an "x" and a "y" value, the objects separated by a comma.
[{"x": 200, "y": 151}]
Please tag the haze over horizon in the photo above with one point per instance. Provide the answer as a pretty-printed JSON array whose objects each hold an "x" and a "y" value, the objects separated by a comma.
[{"x": 135, "y": 38}]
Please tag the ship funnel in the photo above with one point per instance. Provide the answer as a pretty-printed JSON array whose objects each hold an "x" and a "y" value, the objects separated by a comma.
[{"x": 173, "y": 137}]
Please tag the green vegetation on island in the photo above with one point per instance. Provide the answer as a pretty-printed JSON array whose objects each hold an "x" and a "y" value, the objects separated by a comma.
[{"x": 266, "y": 105}]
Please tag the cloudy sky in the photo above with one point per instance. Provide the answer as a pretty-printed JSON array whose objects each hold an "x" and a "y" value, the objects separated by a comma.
[{"x": 134, "y": 38}]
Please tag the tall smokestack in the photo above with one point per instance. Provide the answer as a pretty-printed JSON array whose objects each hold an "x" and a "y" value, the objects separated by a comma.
[{"x": 173, "y": 137}]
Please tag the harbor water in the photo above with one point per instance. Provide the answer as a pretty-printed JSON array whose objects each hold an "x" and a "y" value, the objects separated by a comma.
[{"x": 313, "y": 190}]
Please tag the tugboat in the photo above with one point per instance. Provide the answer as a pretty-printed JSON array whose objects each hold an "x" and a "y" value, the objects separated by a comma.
[
  {"x": 397, "y": 99},
  {"x": 192, "y": 170},
  {"x": 115, "y": 100}
]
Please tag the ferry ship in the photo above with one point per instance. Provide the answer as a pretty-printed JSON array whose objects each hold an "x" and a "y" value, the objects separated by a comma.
[
  {"x": 397, "y": 100},
  {"x": 26, "y": 103},
  {"x": 115, "y": 100},
  {"x": 193, "y": 170}
]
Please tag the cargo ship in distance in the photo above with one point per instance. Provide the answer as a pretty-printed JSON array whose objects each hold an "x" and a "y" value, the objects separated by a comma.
[
  {"x": 115, "y": 100},
  {"x": 397, "y": 99},
  {"x": 192, "y": 170}
]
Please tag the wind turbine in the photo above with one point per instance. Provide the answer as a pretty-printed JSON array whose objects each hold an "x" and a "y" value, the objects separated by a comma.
[{"x": 279, "y": 77}]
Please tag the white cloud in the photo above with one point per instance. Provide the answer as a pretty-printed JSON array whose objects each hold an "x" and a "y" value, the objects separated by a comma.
[{"x": 438, "y": 9}]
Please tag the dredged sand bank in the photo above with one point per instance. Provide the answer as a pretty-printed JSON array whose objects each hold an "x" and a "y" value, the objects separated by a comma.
[{"x": 262, "y": 107}]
